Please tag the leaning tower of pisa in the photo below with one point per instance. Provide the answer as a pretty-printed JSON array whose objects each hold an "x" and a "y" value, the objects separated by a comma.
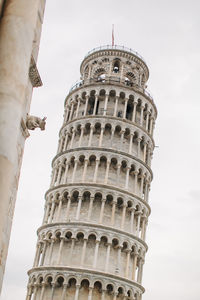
[{"x": 91, "y": 244}]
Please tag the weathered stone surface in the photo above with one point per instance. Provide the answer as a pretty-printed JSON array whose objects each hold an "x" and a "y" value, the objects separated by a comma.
[{"x": 17, "y": 32}]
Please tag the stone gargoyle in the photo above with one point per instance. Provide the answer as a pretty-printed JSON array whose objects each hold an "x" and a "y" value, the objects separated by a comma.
[{"x": 33, "y": 122}]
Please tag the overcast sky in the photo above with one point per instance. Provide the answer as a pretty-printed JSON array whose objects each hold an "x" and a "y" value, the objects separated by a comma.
[{"x": 167, "y": 35}]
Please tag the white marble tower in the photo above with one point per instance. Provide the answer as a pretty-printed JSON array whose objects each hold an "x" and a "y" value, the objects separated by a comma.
[{"x": 91, "y": 244}]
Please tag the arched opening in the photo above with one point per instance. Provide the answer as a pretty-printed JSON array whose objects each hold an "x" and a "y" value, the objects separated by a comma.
[{"x": 116, "y": 66}]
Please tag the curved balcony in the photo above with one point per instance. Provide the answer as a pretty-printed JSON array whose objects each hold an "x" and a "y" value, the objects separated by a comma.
[
  {"x": 115, "y": 47},
  {"x": 110, "y": 80}
]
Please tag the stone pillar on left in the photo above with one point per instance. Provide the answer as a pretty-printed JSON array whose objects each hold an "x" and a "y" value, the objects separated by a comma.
[{"x": 18, "y": 76}]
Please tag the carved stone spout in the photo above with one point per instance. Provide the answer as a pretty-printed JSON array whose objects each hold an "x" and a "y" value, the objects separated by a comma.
[{"x": 33, "y": 122}]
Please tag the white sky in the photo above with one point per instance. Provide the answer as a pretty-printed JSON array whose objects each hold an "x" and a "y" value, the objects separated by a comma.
[{"x": 166, "y": 34}]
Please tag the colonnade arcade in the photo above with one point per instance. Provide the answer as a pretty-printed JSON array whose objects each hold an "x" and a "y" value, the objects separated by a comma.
[
  {"x": 111, "y": 208},
  {"x": 113, "y": 135},
  {"x": 112, "y": 103},
  {"x": 102, "y": 251},
  {"x": 102, "y": 168},
  {"x": 69, "y": 286}
]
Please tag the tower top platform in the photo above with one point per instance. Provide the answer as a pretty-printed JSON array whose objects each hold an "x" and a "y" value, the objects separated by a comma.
[
  {"x": 115, "y": 47},
  {"x": 132, "y": 57}
]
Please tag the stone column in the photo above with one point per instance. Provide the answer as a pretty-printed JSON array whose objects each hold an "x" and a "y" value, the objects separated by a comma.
[
  {"x": 138, "y": 224},
  {"x": 77, "y": 109},
  {"x": 66, "y": 114},
  {"x": 71, "y": 250},
  {"x": 103, "y": 295},
  {"x": 77, "y": 292},
  {"x": 132, "y": 219},
  {"x": 46, "y": 215},
  {"x": 107, "y": 257},
  {"x": 52, "y": 211},
  {"x": 148, "y": 190},
  {"x": 54, "y": 173},
  {"x": 134, "y": 111},
  {"x": 127, "y": 177},
  {"x": 66, "y": 140},
  {"x": 74, "y": 171},
  {"x": 116, "y": 106},
  {"x": 84, "y": 169},
  {"x": 96, "y": 254},
  {"x": 72, "y": 139},
  {"x": 59, "y": 173},
  {"x": 147, "y": 121},
  {"x": 102, "y": 210},
  {"x": 143, "y": 233},
  {"x": 72, "y": 110},
  {"x": 135, "y": 181},
  {"x": 112, "y": 135},
  {"x": 134, "y": 265},
  {"x": 121, "y": 139},
  {"x": 113, "y": 212},
  {"x": 90, "y": 208},
  {"x": 107, "y": 172},
  {"x": 83, "y": 252},
  {"x": 68, "y": 208},
  {"x": 51, "y": 250},
  {"x": 148, "y": 155},
  {"x": 86, "y": 105},
  {"x": 118, "y": 173},
  {"x": 95, "y": 105},
  {"x": 130, "y": 143},
  {"x": 151, "y": 125},
  {"x": 90, "y": 293},
  {"x": 105, "y": 105},
  {"x": 78, "y": 207},
  {"x": 43, "y": 253},
  {"x": 141, "y": 185},
  {"x": 125, "y": 108},
  {"x": 144, "y": 152},
  {"x": 52, "y": 290},
  {"x": 17, "y": 32},
  {"x": 91, "y": 134},
  {"x": 35, "y": 292},
  {"x": 60, "y": 249},
  {"x": 42, "y": 291},
  {"x": 123, "y": 216},
  {"x": 66, "y": 172},
  {"x": 127, "y": 263},
  {"x": 141, "y": 115},
  {"x": 96, "y": 170},
  {"x": 37, "y": 255},
  {"x": 64, "y": 291},
  {"x": 140, "y": 269},
  {"x": 29, "y": 292},
  {"x": 81, "y": 136},
  {"x": 60, "y": 143},
  {"x": 118, "y": 269},
  {"x": 101, "y": 136},
  {"x": 138, "y": 147}
]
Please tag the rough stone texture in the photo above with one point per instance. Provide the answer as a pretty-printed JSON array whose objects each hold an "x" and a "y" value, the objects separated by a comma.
[
  {"x": 91, "y": 244},
  {"x": 18, "y": 27}
]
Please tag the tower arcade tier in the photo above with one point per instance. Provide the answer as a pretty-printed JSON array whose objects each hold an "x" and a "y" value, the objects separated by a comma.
[{"x": 91, "y": 244}]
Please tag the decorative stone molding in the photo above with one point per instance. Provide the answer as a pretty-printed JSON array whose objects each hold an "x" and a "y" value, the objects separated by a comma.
[{"x": 34, "y": 74}]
